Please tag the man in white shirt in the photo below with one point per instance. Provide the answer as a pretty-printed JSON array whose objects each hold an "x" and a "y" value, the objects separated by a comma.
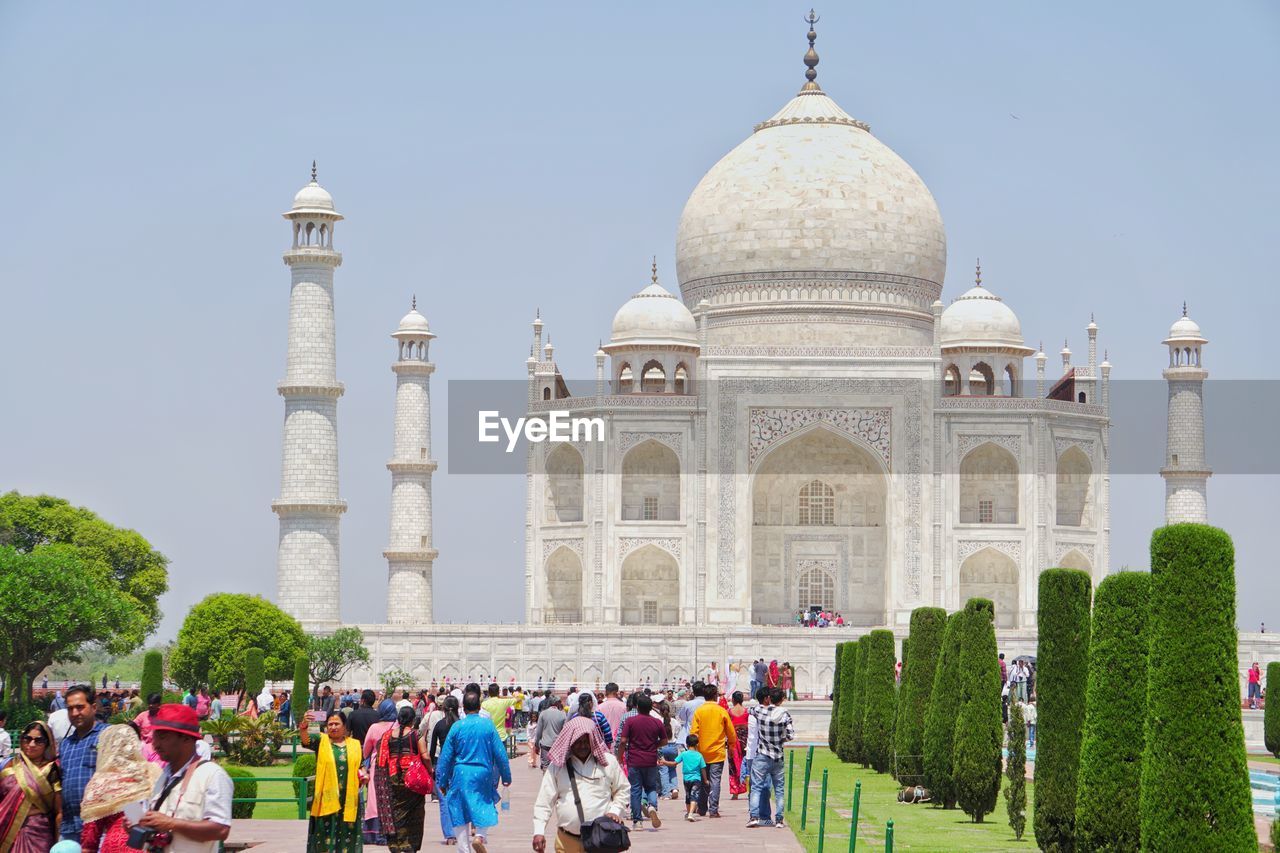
[
  {"x": 602, "y": 790},
  {"x": 192, "y": 800}
]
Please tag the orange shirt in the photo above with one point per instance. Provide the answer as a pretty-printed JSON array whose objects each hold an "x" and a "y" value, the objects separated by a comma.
[{"x": 715, "y": 732}]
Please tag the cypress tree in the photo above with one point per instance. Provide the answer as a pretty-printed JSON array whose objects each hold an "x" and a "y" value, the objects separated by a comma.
[
  {"x": 1195, "y": 780},
  {"x": 927, "y": 625},
  {"x": 1271, "y": 712},
  {"x": 1110, "y": 778},
  {"x": 833, "y": 727},
  {"x": 1015, "y": 793},
  {"x": 253, "y": 671},
  {"x": 300, "y": 698},
  {"x": 848, "y": 685},
  {"x": 1062, "y": 666},
  {"x": 940, "y": 717},
  {"x": 859, "y": 711},
  {"x": 878, "y": 700},
  {"x": 152, "y": 674},
  {"x": 979, "y": 733}
]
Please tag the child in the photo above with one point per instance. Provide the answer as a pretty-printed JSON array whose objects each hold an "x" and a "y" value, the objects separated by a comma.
[{"x": 693, "y": 768}]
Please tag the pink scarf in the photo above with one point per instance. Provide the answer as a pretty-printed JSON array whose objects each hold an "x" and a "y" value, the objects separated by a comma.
[{"x": 574, "y": 729}]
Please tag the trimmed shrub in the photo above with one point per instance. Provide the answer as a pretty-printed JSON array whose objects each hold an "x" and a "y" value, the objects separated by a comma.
[
  {"x": 152, "y": 673},
  {"x": 940, "y": 718},
  {"x": 300, "y": 698},
  {"x": 1275, "y": 833},
  {"x": 859, "y": 712},
  {"x": 1015, "y": 793},
  {"x": 1062, "y": 660},
  {"x": 1195, "y": 780},
  {"x": 246, "y": 785},
  {"x": 304, "y": 766},
  {"x": 253, "y": 671},
  {"x": 1110, "y": 777},
  {"x": 976, "y": 762},
  {"x": 833, "y": 727},
  {"x": 927, "y": 625},
  {"x": 848, "y": 684},
  {"x": 878, "y": 701},
  {"x": 1271, "y": 711}
]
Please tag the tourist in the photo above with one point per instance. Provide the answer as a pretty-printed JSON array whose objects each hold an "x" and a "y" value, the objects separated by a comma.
[
  {"x": 78, "y": 756},
  {"x": 754, "y": 798},
  {"x": 612, "y": 707},
  {"x": 202, "y": 704},
  {"x": 583, "y": 783},
  {"x": 143, "y": 722},
  {"x": 6, "y": 742},
  {"x": 124, "y": 779},
  {"x": 687, "y": 710},
  {"x": 401, "y": 812},
  {"x": 738, "y": 716},
  {"x": 326, "y": 701},
  {"x": 472, "y": 757},
  {"x": 716, "y": 737},
  {"x": 1255, "y": 686},
  {"x": 1029, "y": 716},
  {"x": 774, "y": 674},
  {"x": 433, "y": 715},
  {"x": 551, "y": 720},
  {"x": 774, "y": 729},
  {"x": 369, "y": 744},
  {"x": 585, "y": 704},
  {"x": 449, "y": 716},
  {"x": 1004, "y": 670},
  {"x": 788, "y": 679},
  {"x": 215, "y": 706},
  {"x": 639, "y": 739},
  {"x": 669, "y": 750},
  {"x": 30, "y": 803},
  {"x": 693, "y": 771},
  {"x": 364, "y": 716},
  {"x": 191, "y": 801},
  {"x": 59, "y": 703},
  {"x": 759, "y": 672},
  {"x": 713, "y": 676},
  {"x": 335, "y": 822},
  {"x": 495, "y": 708},
  {"x": 266, "y": 701}
]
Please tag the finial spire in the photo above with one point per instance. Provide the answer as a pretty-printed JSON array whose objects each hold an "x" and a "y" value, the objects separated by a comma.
[
  {"x": 977, "y": 275},
  {"x": 413, "y": 305},
  {"x": 313, "y": 171},
  {"x": 654, "y": 275},
  {"x": 1184, "y": 308},
  {"x": 811, "y": 56}
]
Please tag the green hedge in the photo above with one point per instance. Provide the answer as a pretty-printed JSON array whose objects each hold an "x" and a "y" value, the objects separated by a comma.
[
  {"x": 848, "y": 686},
  {"x": 927, "y": 625},
  {"x": 254, "y": 677},
  {"x": 859, "y": 713},
  {"x": 152, "y": 673},
  {"x": 1015, "y": 792},
  {"x": 1195, "y": 780},
  {"x": 1110, "y": 778},
  {"x": 833, "y": 727},
  {"x": 304, "y": 766},
  {"x": 246, "y": 785},
  {"x": 940, "y": 718},
  {"x": 879, "y": 700},
  {"x": 1062, "y": 667},
  {"x": 300, "y": 698},
  {"x": 976, "y": 762},
  {"x": 1271, "y": 713}
]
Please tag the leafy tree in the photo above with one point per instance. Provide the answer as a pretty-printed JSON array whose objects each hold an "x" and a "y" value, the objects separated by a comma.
[
  {"x": 1271, "y": 711},
  {"x": 333, "y": 656},
  {"x": 393, "y": 678},
  {"x": 927, "y": 625},
  {"x": 1015, "y": 793},
  {"x": 50, "y": 605},
  {"x": 1062, "y": 664},
  {"x": 300, "y": 698},
  {"x": 210, "y": 650},
  {"x": 1195, "y": 780},
  {"x": 979, "y": 730},
  {"x": 833, "y": 727},
  {"x": 848, "y": 686},
  {"x": 940, "y": 718},
  {"x": 253, "y": 671},
  {"x": 1110, "y": 777},
  {"x": 120, "y": 560},
  {"x": 152, "y": 673},
  {"x": 878, "y": 700}
]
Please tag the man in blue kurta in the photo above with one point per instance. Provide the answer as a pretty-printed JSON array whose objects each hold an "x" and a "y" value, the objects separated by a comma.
[{"x": 471, "y": 763}]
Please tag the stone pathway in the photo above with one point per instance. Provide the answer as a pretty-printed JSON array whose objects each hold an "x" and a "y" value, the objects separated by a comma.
[{"x": 515, "y": 829}]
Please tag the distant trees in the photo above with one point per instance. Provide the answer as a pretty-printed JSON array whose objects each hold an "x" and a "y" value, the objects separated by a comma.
[
  {"x": 333, "y": 655},
  {"x": 211, "y": 645}
]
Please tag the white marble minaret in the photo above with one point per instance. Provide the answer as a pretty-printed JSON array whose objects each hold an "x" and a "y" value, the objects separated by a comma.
[
  {"x": 1185, "y": 471},
  {"x": 409, "y": 554},
  {"x": 307, "y": 565}
]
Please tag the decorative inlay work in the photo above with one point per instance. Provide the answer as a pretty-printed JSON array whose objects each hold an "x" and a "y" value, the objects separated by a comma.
[
  {"x": 968, "y": 547},
  {"x": 1011, "y": 443},
  {"x": 1083, "y": 547},
  {"x": 628, "y": 440},
  {"x": 1063, "y": 443},
  {"x": 673, "y": 545},
  {"x": 550, "y": 545},
  {"x": 766, "y": 427},
  {"x": 736, "y": 351},
  {"x": 616, "y": 401},
  {"x": 1030, "y": 404},
  {"x": 809, "y": 284}
]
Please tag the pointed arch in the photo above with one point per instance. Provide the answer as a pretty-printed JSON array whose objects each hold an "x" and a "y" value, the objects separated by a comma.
[
  {"x": 951, "y": 381},
  {"x": 989, "y": 486},
  {"x": 564, "y": 496},
  {"x": 653, "y": 378},
  {"x": 650, "y": 587},
  {"x": 564, "y": 587},
  {"x": 982, "y": 380},
  {"x": 1073, "y": 559},
  {"x": 650, "y": 483},
  {"x": 992, "y": 574}
]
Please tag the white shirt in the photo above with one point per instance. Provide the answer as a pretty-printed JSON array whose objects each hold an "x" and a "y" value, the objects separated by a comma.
[
  {"x": 603, "y": 790},
  {"x": 206, "y": 797},
  {"x": 59, "y": 724},
  {"x": 6, "y": 744},
  {"x": 753, "y": 735},
  {"x": 265, "y": 699}
]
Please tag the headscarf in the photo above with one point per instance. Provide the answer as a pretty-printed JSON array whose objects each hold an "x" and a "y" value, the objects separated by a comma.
[
  {"x": 387, "y": 711},
  {"x": 51, "y": 747},
  {"x": 123, "y": 775},
  {"x": 773, "y": 672},
  {"x": 574, "y": 729}
]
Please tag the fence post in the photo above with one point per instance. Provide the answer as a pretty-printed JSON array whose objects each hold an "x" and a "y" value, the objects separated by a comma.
[
  {"x": 853, "y": 823},
  {"x": 888, "y": 837},
  {"x": 822, "y": 814},
  {"x": 804, "y": 797},
  {"x": 302, "y": 800},
  {"x": 791, "y": 777}
]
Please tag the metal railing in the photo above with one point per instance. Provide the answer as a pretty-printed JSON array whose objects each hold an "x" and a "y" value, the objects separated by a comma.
[{"x": 303, "y": 799}]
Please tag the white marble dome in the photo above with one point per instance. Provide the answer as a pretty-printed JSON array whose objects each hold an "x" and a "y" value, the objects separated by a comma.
[
  {"x": 980, "y": 318},
  {"x": 654, "y": 316},
  {"x": 811, "y": 190},
  {"x": 413, "y": 322},
  {"x": 1184, "y": 328},
  {"x": 313, "y": 198}
]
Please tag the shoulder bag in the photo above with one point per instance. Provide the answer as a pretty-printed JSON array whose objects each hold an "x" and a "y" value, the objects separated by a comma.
[{"x": 602, "y": 835}]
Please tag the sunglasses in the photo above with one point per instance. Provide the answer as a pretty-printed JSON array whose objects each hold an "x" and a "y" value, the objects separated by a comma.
[{"x": 30, "y": 739}]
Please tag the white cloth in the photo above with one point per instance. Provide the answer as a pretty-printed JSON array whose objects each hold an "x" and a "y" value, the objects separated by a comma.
[
  {"x": 6, "y": 745},
  {"x": 206, "y": 797},
  {"x": 265, "y": 701},
  {"x": 59, "y": 724},
  {"x": 753, "y": 734},
  {"x": 603, "y": 790}
]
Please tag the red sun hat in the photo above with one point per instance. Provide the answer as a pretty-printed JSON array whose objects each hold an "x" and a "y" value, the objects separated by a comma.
[{"x": 180, "y": 719}]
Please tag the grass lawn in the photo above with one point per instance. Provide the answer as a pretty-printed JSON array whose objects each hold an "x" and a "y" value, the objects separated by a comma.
[
  {"x": 275, "y": 811},
  {"x": 915, "y": 827},
  {"x": 1264, "y": 757}
]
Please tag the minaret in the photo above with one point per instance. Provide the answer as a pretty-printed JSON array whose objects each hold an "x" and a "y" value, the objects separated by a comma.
[
  {"x": 307, "y": 563},
  {"x": 409, "y": 554},
  {"x": 1185, "y": 472}
]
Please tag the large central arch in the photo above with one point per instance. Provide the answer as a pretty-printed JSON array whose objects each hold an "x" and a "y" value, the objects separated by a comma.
[{"x": 818, "y": 508}]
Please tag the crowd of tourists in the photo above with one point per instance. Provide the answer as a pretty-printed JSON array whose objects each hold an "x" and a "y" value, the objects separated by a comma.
[{"x": 819, "y": 619}]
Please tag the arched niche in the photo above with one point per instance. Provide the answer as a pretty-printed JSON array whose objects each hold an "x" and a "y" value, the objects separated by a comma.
[
  {"x": 1073, "y": 559},
  {"x": 650, "y": 587},
  {"x": 650, "y": 483},
  {"x": 564, "y": 587},
  {"x": 1074, "y": 489},
  {"x": 989, "y": 486},
  {"x": 992, "y": 574},
  {"x": 564, "y": 484}
]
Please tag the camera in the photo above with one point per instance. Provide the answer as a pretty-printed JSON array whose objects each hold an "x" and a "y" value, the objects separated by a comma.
[{"x": 144, "y": 838}]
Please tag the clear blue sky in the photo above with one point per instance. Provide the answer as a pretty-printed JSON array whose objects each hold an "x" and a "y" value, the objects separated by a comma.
[{"x": 1114, "y": 158}]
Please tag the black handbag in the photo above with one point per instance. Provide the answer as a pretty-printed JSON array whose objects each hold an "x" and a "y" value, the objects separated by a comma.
[{"x": 602, "y": 835}]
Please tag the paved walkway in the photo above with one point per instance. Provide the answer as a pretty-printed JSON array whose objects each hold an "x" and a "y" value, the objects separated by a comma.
[{"x": 515, "y": 829}]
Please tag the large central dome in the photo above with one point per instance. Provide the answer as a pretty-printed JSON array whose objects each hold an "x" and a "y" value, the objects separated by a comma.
[{"x": 813, "y": 211}]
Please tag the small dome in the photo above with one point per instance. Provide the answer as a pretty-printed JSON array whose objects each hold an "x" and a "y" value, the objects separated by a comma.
[
  {"x": 1185, "y": 329},
  {"x": 654, "y": 316},
  {"x": 313, "y": 198},
  {"x": 980, "y": 318},
  {"x": 413, "y": 322}
]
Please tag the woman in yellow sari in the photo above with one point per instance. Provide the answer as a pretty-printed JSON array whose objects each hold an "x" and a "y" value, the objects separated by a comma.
[
  {"x": 31, "y": 794},
  {"x": 336, "y": 809}
]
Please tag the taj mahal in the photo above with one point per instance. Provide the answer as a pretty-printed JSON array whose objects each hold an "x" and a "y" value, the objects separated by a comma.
[{"x": 806, "y": 419}]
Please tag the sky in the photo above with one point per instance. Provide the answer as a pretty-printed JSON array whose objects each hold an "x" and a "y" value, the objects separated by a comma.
[{"x": 498, "y": 159}]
